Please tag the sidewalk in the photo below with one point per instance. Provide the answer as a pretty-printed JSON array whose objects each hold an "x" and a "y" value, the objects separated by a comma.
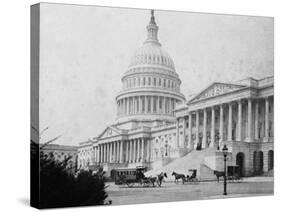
[{"x": 258, "y": 179}]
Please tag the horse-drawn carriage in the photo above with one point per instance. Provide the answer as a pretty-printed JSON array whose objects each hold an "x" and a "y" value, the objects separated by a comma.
[
  {"x": 192, "y": 178},
  {"x": 135, "y": 177},
  {"x": 233, "y": 174}
]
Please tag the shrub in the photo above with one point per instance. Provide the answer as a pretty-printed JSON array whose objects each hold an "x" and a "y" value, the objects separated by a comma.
[{"x": 59, "y": 187}]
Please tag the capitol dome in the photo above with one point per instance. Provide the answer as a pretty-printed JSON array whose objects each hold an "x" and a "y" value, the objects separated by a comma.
[
  {"x": 151, "y": 86},
  {"x": 152, "y": 54}
]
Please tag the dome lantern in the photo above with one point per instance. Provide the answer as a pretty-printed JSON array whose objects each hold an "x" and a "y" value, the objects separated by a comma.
[{"x": 152, "y": 29}]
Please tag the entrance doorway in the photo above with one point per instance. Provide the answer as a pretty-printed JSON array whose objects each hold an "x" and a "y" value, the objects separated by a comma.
[
  {"x": 258, "y": 162},
  {"x": 240, "y": 160},
  {"x": 270, "y": 160}
]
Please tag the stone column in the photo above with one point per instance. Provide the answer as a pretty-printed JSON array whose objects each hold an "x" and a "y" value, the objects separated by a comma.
[
  {"x": 212, "y": 126},
  {"x": 121, "y": 152},
  {"x": 229, "y": 133},
  {"x": 266, "y": 119},
  {"x": 178, "y": 133},
  {"x": 145, "y": 104},
  {"x": 239, "y": 121},
  {"x": 190, "y": 145},
  {"x": 134, "y": 150},
  {"x": 103, "y": 153},
  {"x": 138, "y": 152},
  {"x": 98, "y": 154},
  {"x": 164, "y": 105},
  {"x": 122, "y": 107},
  {"x": 140, "y": 105},
  {"x": 221, "y": 124},
  {"x": 171, "y": 106},
  {"x": 113, "y": 152},
  {"x": 129, "y": 105},
  {"x": 142, "y": 150},
  {"x": 249, "y": 120},
  {"x": 157, "y": 104},
  {"x": 197, "y": 126},
  {"x": 103, "y": 158},
  {"x": 110, "y": 152},
  {"x": 127, "y": 151},
  {"x": 117, "y": 151},
  {"x": 257, "y": 120},
  {"x": 159, "y": 100},
  {"x": 136, "y": 103},
  {"x": 204, "y": 140},
  {"x": 106, "y": 152},
  {"x": 183, "y": 131},
  {"x": 147, "y": 151},
  {"x": 152, "y": 104}
]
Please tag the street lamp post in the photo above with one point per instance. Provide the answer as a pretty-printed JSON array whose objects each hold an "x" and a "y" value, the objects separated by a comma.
[{"x": 224, "y": 150}]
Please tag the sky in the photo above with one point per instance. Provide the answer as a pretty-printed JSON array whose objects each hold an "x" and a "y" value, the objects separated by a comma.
[{"x": 85, "y": 50}]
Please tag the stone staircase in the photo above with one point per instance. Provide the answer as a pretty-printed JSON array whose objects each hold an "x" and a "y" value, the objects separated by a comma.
[{"x": 193, "y": 160}]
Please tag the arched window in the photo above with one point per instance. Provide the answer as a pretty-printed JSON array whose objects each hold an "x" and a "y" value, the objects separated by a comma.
[
  {"x": 154, "y": 81},
  {"x": 164, "y": 83},
  {"x": 138, "y": 81},
  {"x": 149, "y": 81},
  {"x": 159, "y": 82}
]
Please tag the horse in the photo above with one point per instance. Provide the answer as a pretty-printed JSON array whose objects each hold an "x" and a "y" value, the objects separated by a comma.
[
  {"x": 178, "y": 176},
  {"x": 218, "y": 174},
  {"x": 160, "y": 178}
]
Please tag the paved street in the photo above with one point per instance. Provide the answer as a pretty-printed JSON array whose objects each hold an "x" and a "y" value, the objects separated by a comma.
[{"x": 172, "y": 192}]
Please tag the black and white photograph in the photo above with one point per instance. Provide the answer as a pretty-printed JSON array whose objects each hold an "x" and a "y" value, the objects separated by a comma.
[{"x": 134, "y": 106}]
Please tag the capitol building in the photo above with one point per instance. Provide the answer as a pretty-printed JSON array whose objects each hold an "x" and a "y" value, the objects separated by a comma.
[{"x": 157, "y": 127}]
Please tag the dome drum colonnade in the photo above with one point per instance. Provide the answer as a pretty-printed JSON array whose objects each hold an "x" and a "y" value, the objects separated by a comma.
[{"x": 151, "y": 86}]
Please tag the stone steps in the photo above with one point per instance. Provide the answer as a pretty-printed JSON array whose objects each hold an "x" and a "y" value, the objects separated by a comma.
[{"x": 192, "y": 160}]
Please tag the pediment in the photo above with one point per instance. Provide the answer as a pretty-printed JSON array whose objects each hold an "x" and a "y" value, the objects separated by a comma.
[
  {"x": 216, "y": 89},
  {"x": 109, "y": 132}
]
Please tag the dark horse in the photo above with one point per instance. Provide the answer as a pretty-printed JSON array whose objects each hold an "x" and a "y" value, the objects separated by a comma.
[
  {"x": 178, "y": 176},
  {"x": 218, "y": 174},
  {"x": 158, "y": 179}
]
